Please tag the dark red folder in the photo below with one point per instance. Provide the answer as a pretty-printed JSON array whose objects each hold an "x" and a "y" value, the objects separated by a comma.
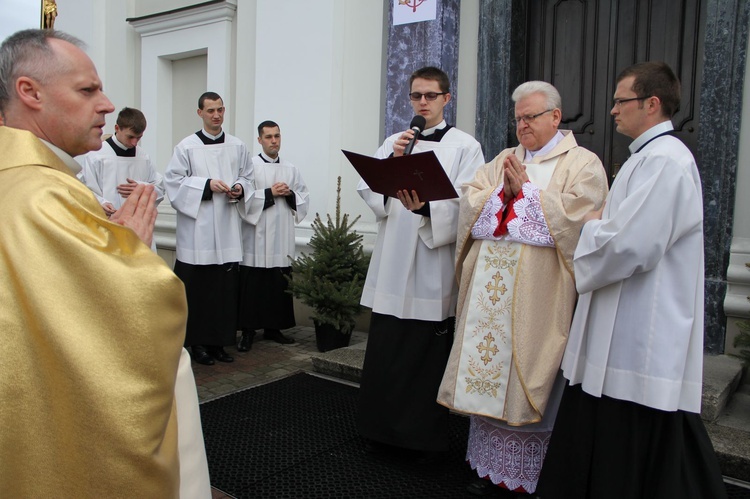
[{"x": 420, "y": 172}]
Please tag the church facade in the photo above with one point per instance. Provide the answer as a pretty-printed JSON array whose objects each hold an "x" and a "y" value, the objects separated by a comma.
[{"x": 334, "y": 75}]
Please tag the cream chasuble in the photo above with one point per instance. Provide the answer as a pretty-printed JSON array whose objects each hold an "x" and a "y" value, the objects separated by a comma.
[
  {"x": 516, "y": 300},
  {"x": 487, "y": 347}
]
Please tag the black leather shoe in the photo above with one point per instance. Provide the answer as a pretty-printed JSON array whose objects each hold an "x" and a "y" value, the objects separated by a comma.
[
  {"x": 201, "y": 356},
  {"x": 277, "y": 336},
  {"x": 246, "y": 341},
  {"x": 219, "y": 354}
]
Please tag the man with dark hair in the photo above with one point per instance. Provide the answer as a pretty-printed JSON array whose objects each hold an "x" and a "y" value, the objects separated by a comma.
[
  {"x": 629, "y": 421},
  {"x": 90, "y": 362},
  {"x": 411, "y": 285},
  {"x": 116, "y": 169},
  {"x": 431, "y": 73},
  {"x": 210, "y": 171},
  {"x": 279, "y": 202}
]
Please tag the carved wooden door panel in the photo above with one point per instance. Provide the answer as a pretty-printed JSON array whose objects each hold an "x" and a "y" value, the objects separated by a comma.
[{"x": 581, "y": 45}]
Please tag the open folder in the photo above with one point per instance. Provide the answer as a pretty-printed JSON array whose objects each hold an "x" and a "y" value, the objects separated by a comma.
[{"x": 420, "y": 172}]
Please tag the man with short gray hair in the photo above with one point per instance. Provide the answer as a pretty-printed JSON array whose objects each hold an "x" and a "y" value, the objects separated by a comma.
[
  {"x": 518, "y": 226},
  {"x": 90, "y": 363}
]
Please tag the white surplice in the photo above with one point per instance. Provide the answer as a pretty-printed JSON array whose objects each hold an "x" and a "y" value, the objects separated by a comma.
[
  {"x": 208, "y": 231},
  {"x": 268, "y": 234},
  {"x": 411, "y": 273},
  {"x": 637, "y": 333},
  {"x": 194, "y": 479},
  {"x": 103, "y": 170}
]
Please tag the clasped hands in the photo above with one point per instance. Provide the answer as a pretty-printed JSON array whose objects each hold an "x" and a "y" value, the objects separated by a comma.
[
  {"x": 123, "y": 190},
  {"x": 234, "y": 192},
  {"x": 514, "y": 176},
  {"x": 280, "y": 189},
  {"x": 139, "y": 212}
]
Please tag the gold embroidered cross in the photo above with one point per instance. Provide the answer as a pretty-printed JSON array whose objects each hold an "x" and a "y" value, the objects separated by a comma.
[
  {"x": 493, "y": 288},
  {"x": 487, "y": 348}
]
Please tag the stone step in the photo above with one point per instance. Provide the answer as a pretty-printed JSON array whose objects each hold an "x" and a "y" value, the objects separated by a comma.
[
  {"x": 345, "y": 363},
  {"x": 732, "y": 448},
  {"x": 730, "y": 435},
  {"x": 721, "y": 377}
]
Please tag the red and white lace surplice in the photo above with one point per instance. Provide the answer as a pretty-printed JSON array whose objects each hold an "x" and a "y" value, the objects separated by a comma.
[{"x": 520, "y": 218}]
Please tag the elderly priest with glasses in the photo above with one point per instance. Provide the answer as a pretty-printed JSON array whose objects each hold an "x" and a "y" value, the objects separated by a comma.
[{"x": 518, "y": 227}]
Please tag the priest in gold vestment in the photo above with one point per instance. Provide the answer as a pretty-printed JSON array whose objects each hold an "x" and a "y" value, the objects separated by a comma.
[
  {"x": 518, "y": 227},
  {"x": 92, "y": 320}
]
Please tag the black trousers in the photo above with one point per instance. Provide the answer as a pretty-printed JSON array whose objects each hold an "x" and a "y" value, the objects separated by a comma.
[
  {"x": 404, "y": 364},
  {"x": 605, "y": 448},
  {"x": 212, "y": 294}
]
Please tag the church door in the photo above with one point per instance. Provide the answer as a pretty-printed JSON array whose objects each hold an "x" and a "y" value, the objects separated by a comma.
[{"x": 581, "y": 45}]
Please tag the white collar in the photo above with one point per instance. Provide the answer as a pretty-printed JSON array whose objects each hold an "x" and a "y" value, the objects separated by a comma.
[
  {"x": 664, "y": 126},
  {"x": 269, "y": 159},
  {"x": 431, "y": 130},
  {"x": 64, "y": 157},
  {"x": 118, "y": 143},
  {"x": 212, "y": 137},
  {"x": 546, "y": 148}
]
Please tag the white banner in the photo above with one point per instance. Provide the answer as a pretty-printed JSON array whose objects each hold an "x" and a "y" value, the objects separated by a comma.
[{"x": 414, "y": 11}]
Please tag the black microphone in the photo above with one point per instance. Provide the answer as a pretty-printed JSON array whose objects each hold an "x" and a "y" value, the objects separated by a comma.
[{"x": 417, "y": 124}]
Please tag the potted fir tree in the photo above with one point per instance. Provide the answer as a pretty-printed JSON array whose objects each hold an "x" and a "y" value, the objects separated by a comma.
[{"x": 330, "y": 279}]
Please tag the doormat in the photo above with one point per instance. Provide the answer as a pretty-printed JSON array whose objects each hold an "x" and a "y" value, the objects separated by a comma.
[{"x": 297, "y": 438}]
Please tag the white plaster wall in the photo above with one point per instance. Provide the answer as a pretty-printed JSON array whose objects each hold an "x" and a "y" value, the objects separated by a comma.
[
  {"x": 111, "y": 43},
  {"x": 148, "y": 7},
  {"x": 188, "y": 83},
  {"x": 18, "y": 15},
  {"x": 319, "y": 75}
]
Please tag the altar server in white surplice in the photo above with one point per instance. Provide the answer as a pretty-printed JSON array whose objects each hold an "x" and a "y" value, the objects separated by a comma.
[
  {"x": 629, "y": 422},
  {"x": 411, "y": 285},
  {"x": 279, "y": 202},
  {"x": 120, "y": 165},
  {"x": 209, "y": 176},
  {"x": 518, "y": 227}
]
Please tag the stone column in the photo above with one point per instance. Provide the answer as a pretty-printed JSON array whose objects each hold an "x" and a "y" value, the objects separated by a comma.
[
  {"x": 720, "y": 118},
  {"x": 415, "y": 45}
]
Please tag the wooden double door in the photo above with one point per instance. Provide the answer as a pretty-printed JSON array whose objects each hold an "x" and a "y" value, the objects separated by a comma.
[{"x": 580, "y": 46}]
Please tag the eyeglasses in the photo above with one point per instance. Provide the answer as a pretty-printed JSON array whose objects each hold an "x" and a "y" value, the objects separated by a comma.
[
  {"x": 430, "y": 96},
  {"x": 530, "y": 118},
  {"x": 619, "y": 102}
]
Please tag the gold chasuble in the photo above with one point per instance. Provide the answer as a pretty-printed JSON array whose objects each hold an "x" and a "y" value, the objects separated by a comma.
[
  {"x": 516, "y": 300},
  {"x": 92, "y": 325}
]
